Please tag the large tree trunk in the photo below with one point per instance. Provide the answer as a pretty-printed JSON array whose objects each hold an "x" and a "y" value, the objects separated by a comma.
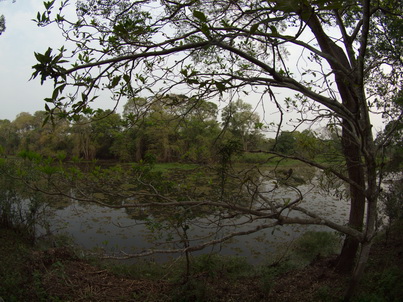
[
  {"x": 352, "y": 154},
  {"x": 139, "y": 151},
  {"x": 348, "y": 87}
]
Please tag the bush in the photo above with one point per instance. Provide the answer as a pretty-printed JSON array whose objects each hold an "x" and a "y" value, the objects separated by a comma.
[
  {"x": 314, "y": 244},
  {"x": 253, "y": 158},
  {"x": 393, "y": 200},
  {"x": 193, "y": 291},
  {"x": 269, "y": 274},
  {"x": 383, "y": 286},
  {"x": 215, "y": 265}
]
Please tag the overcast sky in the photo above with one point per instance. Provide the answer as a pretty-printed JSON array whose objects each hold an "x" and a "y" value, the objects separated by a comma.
[{"x": 17, "y": 46}]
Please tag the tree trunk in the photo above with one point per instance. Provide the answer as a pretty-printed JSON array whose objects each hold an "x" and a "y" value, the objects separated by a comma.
[
  {"x": 355, "y": 170},
  {"x": 139, "y": 147},
  {"x": 372, "y": 200},
  {"x": 364, "y": 255},
  {"x": 352, "y": 154},
  {"x": 348, "y": 88}
]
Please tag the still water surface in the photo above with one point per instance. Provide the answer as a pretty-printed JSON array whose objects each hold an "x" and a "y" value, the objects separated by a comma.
[{"x": 115, "y": 231}]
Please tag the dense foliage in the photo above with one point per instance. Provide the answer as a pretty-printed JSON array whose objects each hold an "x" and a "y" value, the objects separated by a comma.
[
  {"x": 347, "y": 62},
  {"x": 169, "y": 136}
]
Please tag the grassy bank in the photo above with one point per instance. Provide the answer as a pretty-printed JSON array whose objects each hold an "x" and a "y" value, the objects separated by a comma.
[{"x": 33, "y": 273}]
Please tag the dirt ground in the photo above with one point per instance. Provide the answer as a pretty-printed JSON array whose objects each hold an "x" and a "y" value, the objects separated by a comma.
[{"x": 56, "y": 274}]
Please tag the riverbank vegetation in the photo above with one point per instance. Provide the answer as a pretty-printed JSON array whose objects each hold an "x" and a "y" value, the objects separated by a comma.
[
  {"x": 192, "y": 278},
  {"x": 179, "y": 65},
  {"x": 165, "y": 135},
  {"x": 54, "y": 271}
]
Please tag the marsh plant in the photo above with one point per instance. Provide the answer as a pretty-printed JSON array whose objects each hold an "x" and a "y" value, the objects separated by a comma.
[
  {"x": 392, "y": 201},
  {"x": 21, "y": 208},
  {"x": 313, "y": 245}
]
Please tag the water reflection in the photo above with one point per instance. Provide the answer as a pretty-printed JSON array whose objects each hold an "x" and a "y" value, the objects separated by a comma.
[{"x": 115, "y": 231}]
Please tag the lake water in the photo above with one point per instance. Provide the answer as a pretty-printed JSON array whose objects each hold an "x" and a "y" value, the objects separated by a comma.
[{"x": 115, "y": 232}]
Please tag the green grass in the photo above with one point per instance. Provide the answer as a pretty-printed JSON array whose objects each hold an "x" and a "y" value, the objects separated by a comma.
[
  {"x": 383, "y": 279},
  {"x": 313, "y": 244},
  {"x": 167, "y": 167},
  {"x": 265, "y": 159},
  {"x": 210, "y": 275},
  {"x": 141, "y": 269},
  {"x": 271, "y": 161},
  {"x": 268, "y": 274},
  {"x": 208, "y": 265},
  {"x": 13, "y": 273},
  {"x": 20, "y": 273}
]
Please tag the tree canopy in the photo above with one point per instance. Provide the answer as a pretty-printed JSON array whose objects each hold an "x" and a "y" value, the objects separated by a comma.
[
  {"x": 340, "y": 59},
  {"x": 2, "y": 24},
  {"x": 3, "y": 21}
]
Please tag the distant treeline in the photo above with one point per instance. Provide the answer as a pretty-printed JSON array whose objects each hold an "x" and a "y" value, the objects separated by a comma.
[{"x": 169, "y": 129}]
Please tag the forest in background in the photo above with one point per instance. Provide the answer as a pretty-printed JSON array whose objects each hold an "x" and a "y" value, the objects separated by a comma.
[
  {"x": 349, "y": 65},
  {"x": 169, "y": 129}
]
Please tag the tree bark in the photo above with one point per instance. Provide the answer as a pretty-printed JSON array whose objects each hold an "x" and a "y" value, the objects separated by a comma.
[
  {"x": 348, "y": 86},
  {"x": 364, "y": 255},
  {"x": 346, "y": 259}
]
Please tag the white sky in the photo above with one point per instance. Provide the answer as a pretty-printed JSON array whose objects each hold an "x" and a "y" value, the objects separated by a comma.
[{"x": 17, "y": 46}]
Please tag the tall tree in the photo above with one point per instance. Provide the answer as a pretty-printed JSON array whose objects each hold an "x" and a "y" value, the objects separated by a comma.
[
  {"x": 8, "y": 137},
  {"x": 240, "y": 120},
  {"x": 198, "y": 129},
  {"x": 153, "y": 124},
  {"x": 25, "y": 124},
  {"x": 82, "y": 136},
  {"x": 219, "y": 49},
  {"x": 3, "y": 21},
  {"x": 106, "y": 127},
  {"x": 2, "y": 24},
  {"x": 34, "y": 135}
]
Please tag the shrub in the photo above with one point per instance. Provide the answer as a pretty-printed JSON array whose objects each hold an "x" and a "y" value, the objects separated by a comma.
[
  {"x": 393, "y": 200},
  {"x": 314, "y": 244}
]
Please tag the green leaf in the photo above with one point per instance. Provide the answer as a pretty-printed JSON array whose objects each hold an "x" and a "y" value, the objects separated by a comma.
[
  {"x": 205, "y": 30},
  {"x": 126, "y": 78},
  {"x": 49, "y": 170},
  {"x": 39, "y": 57},
  {"x": 254, "y": 28},
  {"x": 259, "y": 125},
  {"x": 287, "y": 6},
  {"x": 192, "y": 81},
  {"x": 46, "y": 118},
  {"x": 199, "y": 15},
  {"x": 48, "y": 53},
  {"x": 220, "y": 86},
  {"x": 55, "y": 94},
  {"x": 115, "y": 81},
  {"x": 59, "y": 18},
  {"x": 48, "y": 5},
  {"x": 84, "y": 97}
]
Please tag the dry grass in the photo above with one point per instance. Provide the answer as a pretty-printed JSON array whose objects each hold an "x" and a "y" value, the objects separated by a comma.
[{"x": 56, "y": 274}]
